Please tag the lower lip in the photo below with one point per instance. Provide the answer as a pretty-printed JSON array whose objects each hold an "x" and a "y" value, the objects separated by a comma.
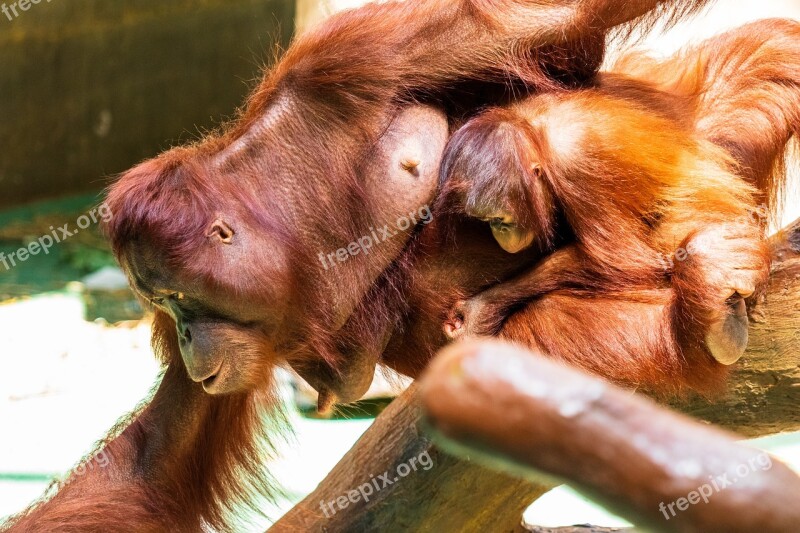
[{"x": 209, "y": 384}]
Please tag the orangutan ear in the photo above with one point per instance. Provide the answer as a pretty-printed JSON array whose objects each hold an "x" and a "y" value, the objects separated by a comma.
[
  {"x": 403, "y": 169},
  {"x": 220, "y": 230}
]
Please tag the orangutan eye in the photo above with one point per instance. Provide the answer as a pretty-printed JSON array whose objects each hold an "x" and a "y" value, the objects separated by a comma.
[{"x": 499, "y": 226}]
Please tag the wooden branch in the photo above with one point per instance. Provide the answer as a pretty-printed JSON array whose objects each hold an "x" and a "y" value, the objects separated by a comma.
[
  {"x": 455, "y": 495},
  {"x": 458, "y": 495},
  {"x": 522, "y": 412},
  {"x": 452, "y": 495}
]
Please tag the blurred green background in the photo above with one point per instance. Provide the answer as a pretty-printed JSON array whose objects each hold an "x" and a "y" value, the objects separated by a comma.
[{"x": 90, "y": 87}]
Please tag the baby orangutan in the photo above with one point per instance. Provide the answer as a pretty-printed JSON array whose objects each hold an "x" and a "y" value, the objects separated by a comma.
[{"x": 651, "y": 186}]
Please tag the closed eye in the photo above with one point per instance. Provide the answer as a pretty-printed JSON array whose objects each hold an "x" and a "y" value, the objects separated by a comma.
[{"x": 498, "y": 225}]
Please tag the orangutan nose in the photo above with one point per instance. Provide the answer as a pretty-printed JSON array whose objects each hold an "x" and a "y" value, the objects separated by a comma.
[{"x": 185, "y": 336}]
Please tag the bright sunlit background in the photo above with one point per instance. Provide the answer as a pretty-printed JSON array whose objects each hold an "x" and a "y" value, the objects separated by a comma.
[{"x": 68, "y": 374}]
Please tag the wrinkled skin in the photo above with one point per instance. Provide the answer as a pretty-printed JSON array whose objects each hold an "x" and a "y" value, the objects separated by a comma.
[{"x": 222, "y": 330}]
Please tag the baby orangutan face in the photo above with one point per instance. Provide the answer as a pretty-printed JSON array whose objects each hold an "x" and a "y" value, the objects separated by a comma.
[
  {"x": 509, "y": 234},
  {"x": 512, "y": 231},
  {"x": 492, "y": 172},
  {"x": 518, "y": 217}
]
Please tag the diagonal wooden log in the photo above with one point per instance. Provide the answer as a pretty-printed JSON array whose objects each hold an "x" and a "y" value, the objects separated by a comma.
[
  {"x": 519, "y": 411},
  {"x": 459, "y": 495},
  {"x": 451, "y": 495}
]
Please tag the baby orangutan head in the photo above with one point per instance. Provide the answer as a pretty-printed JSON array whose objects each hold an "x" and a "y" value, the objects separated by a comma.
[{"x": 493, "y": 170}]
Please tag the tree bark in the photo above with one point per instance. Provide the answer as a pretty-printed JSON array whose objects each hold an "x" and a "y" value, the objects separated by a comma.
[
  {"x": 459, "y": 495},
  {"x": 454, "y": 494}
]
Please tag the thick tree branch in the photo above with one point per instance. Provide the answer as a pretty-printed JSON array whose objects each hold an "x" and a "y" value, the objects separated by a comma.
[
  {"x": 452, "y": 495},
  {"x": 578, "y": 529},
  {"x": 522, "y": 412}
]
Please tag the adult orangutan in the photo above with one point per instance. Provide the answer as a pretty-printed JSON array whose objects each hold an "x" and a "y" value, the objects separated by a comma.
[{"x": 223, "y": 236}]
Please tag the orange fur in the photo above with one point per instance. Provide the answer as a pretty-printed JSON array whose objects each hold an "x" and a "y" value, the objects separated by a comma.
[
  {"x": 743, "y": 85},
  {"x": 637, "y": 169}
]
